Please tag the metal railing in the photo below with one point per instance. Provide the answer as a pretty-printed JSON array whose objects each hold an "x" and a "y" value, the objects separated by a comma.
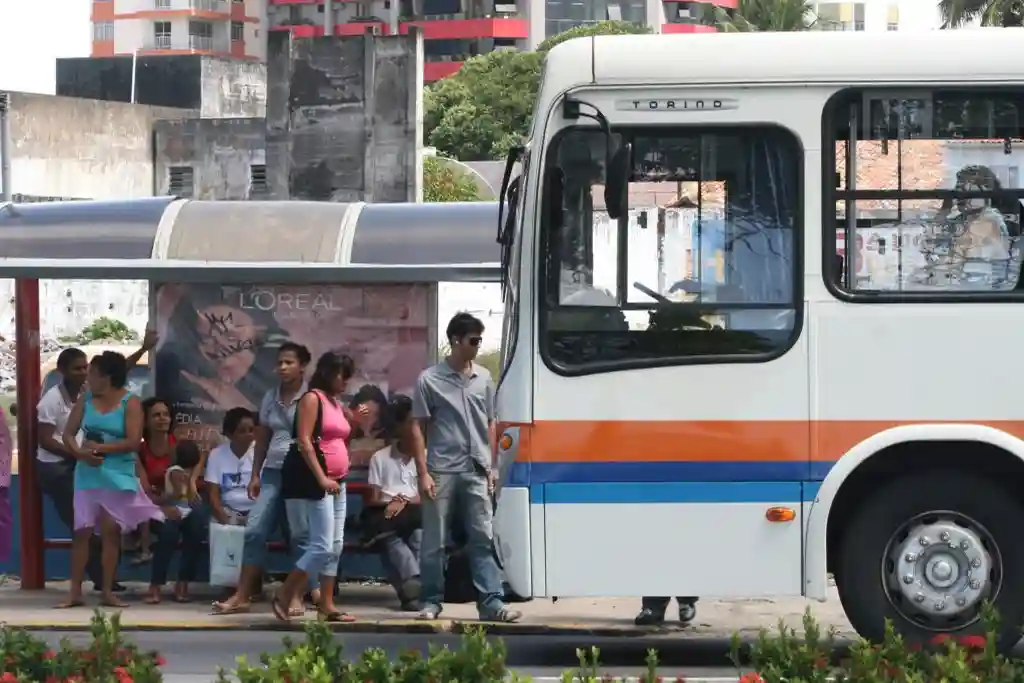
[
  {"x": 200, "y": 42},
  {"x": 162, "y": 41}
]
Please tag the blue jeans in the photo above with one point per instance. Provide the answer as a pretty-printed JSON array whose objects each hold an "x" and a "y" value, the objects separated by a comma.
[
  {"x": 318, "y": 531},
  {"x": 264, "y": 517},
  {"x": 463, "y": 496},
  {"x": 192, "y": 531}
]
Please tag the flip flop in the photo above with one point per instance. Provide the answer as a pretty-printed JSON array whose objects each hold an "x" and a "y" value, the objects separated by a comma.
[
  {"x": 221, "y": 609},
  {"x": 69, "y": 604},
  {"x": 279, "y": 610},
  {"x": 338, "y": 617},
  {"x": 296, "y": 612}
]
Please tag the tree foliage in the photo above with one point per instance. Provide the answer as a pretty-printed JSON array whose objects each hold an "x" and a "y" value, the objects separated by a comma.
[
  {"x": 767, "y": 15},
  {"x": 442, "y": 183},
  {"x": 958, "y": 13},
  {"x": 485, "y": 108}
]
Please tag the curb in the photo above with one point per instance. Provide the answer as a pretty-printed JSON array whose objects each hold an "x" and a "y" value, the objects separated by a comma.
[
  {"x": 271, "y": 625},
  {"x": 410, "y": 626}
]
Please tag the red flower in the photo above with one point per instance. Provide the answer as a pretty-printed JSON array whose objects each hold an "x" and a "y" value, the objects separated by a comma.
[
  {"x": 49, "y": 654},
  {"x": 821, "y": 663},
  {"x": 972, "y": 642},
  {"x": 160, "y": 661},
  {"x": 752, "y": 677},
  {"x": 8, "y": 677}
]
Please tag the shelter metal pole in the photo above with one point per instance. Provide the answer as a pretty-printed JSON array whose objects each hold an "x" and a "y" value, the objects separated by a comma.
[{"x": 26, "y": 339}]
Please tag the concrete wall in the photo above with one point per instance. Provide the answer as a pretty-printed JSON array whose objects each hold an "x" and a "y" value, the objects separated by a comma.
[
  {"x": 233, "y": 88},
  {"x": 217, "y": 87},
  {"x": 344, "y": 118},
  {"x": 83, "y": 149},
  {"x": 220, "y": 152}
]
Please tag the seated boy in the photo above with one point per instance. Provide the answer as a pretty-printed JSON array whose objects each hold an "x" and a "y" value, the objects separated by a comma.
[{"x": 393, "y": 516}]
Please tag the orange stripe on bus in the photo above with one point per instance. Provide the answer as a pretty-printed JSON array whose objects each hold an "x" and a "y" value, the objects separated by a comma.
[{"x": 710, "y": 440}]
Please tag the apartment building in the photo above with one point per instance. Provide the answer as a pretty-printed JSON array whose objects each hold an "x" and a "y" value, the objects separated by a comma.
[
  {"x": 216, "y": 28},
  {"x": 454, "y": 30}
]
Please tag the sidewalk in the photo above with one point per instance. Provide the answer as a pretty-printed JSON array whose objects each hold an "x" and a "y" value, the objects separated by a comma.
[{"x": 375, "y": 609}]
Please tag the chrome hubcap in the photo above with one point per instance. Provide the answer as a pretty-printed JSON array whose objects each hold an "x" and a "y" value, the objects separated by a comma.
[{"x": 939, "y": 567}]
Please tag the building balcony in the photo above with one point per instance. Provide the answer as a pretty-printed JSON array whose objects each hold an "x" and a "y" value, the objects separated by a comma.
[
  {"x": 688, "y": 28},
  {"x": 354, "y": 28},
  {"x": 436, "y": 29},
  {"x": 211, "y": 6},
  {"x": 185, "y": 44},
  {"x": 724, "y": 4},
  {"x": 455, "y": 29}
]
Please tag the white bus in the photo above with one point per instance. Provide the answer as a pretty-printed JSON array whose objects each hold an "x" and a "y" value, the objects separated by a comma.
[{"x": 798, "y": 347}]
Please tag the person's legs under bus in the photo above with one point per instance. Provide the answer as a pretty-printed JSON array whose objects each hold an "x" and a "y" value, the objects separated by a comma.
[
  {"x": 312, "y": 521},
  {"x": 329, "y": 576},
  {"x": 687, "y": 609},
  {"x": 652, "y": 611},
  {"x": 167, "y": 534},
  {"x": 477, "y": 511},
  {"x": 258, "y": 526},
  {"x": 436, "y": 518}
]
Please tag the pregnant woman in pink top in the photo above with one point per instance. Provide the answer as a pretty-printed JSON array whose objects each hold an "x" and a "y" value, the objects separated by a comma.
[{"x": 313, "y": 484}]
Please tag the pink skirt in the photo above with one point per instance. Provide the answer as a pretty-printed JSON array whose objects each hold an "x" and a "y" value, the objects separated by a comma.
[{"x": 128, "y": 508}]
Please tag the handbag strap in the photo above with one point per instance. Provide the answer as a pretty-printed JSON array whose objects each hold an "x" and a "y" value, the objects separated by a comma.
[{"x": 318, "y": 426}]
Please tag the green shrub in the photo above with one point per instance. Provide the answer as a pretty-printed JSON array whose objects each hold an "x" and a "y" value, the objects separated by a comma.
[
  {"x": 319, "y": 660},
  {"x": 106, "y": 658},
  {"x": 782, "y": 657}
]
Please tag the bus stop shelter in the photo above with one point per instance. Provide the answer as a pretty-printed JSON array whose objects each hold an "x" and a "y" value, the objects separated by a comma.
[{"x": 246, "y": 248}]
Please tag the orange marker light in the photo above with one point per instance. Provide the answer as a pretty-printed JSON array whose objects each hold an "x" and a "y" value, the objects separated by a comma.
[
  {"x": 780, "y": 514},
  {"x": 506, "y": 442}
]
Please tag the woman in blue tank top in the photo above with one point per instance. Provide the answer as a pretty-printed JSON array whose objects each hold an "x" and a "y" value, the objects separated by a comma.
[{"x": 108, "y": 497}]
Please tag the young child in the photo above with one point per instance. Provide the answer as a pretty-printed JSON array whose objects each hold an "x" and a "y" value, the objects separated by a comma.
[{"x": 177, "y": 491}]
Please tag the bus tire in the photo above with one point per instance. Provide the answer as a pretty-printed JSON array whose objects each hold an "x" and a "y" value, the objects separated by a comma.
[{"x": 898, "y": 534}]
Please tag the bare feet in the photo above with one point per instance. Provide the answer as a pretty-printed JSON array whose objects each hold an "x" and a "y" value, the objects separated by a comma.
[
  {"x": 152, "y": 596},
  {"x": 181, "y": 592},
  {"x": 111, "y": 600}
]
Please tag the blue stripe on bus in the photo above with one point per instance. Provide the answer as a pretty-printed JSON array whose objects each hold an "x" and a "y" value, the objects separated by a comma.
[
  {"x": 767, "y": 492},
  {"x": 535, "y": 473}
]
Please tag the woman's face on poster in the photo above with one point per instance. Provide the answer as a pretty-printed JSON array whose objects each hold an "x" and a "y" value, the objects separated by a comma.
[{"x": 228, "y": 339}]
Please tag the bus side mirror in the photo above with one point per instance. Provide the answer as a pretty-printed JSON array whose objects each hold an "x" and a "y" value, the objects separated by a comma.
[{"x": 616, "y": 188}]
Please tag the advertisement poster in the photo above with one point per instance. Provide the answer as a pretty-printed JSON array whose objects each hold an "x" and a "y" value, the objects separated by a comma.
[{"x": 218, "y": 344}]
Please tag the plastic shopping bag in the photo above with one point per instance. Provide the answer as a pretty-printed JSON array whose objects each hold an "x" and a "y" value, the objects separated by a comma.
[{"x": 226, "y": 544}]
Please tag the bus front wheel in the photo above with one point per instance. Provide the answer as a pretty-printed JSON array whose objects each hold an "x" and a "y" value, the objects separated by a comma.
[{"x": 927, "y": 551}]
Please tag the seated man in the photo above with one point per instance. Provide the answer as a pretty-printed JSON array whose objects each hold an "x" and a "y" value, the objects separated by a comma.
[{"x": 392, "y": 518}]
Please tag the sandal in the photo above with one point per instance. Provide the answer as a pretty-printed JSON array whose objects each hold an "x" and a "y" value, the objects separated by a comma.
[
  {"x": 70, "y": 604},
  {"x": 338, "y": 617},
  {"x": 222, "y": 609},
  {"x": 280, "y": 611}
]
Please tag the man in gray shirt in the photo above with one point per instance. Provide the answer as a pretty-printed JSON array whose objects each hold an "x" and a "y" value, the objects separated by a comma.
[{"x": 453, "y": 405}]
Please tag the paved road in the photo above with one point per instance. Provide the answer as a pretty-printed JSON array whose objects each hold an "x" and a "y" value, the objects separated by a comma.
[{"x": 193, "y": 656}]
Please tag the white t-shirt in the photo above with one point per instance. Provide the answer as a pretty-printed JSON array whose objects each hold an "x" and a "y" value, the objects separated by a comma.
[
  {"x": 231, "y": 474},
  {"x": 54, "y": 408},
  {"x": 393, "y": 475}
]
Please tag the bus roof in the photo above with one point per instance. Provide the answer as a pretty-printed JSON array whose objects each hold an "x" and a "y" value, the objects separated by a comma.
[{"x": 970, "y": 56}]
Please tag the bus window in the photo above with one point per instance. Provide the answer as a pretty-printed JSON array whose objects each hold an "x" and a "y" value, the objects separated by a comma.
[
  {"x": 927, "y": 190},
  {"x": 704, "y": 267}
]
